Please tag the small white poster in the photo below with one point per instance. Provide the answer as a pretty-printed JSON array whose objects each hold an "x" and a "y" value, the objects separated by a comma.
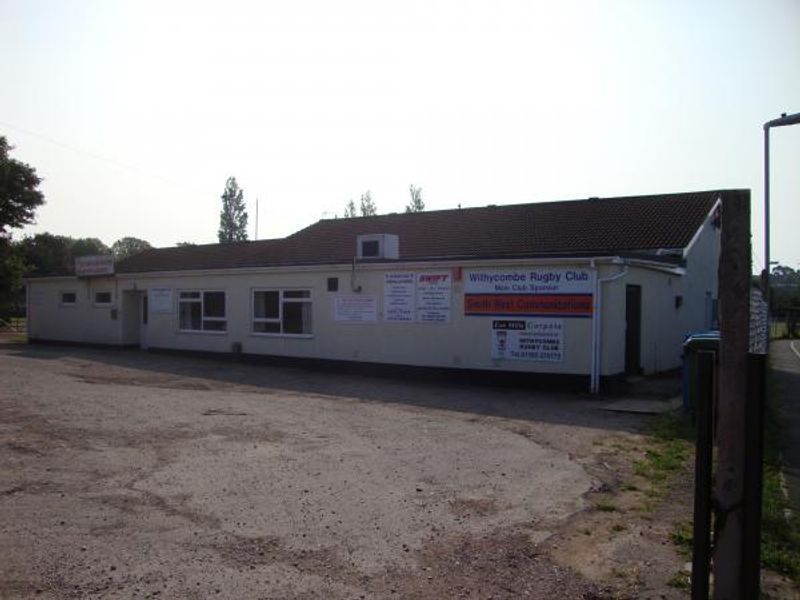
[
  {"x": 398, "y": 297},
  {"x": 540, "y": 340},
  {"x": 355, "y": 309},
  {"x": 160, "y": 300},
  {"x": 434, "y": 291}
]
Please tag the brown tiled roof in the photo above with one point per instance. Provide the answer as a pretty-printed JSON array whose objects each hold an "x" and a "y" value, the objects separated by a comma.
[{"x": 609, "y": 226}]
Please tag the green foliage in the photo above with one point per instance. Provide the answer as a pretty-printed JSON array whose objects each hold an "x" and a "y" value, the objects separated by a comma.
[
  {"x": 89, "y": 247},
  {"x": 127, "y": 247},
  {"x": 683, "y": 537},
  {"x": 185, "y": 244},
  {"x": 680, "y": 581},
  {"x": 350, "y": 210},
  {"x": 368, "y": 208},
  {"x": 780, "y": 526},
  {"x": 416, "y": 204},
  {"x": 19, "y": 193},
  {"x": 233, "y": 216},
  {"x": 605, "y": 506},
  {"x": 46, "y": 254},
  {"x": 12, "y": 269}
]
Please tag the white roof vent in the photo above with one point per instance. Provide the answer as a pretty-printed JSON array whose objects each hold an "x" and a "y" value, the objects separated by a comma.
[{"x": 378, "y": 245}]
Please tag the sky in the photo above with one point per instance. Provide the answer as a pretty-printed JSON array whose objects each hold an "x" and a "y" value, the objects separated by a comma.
[{"x": 135, "y": 113}]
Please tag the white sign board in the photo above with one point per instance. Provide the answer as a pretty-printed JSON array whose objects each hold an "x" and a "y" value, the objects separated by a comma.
[
  {"x": 540, "y": 340},
  {"x": 535, "y": 292},
  {"x": 160, "y": 300},
  {"x": 355, "y": 309},
  {"x": 398, "y": 297},
  {"x": 90, "y": 266},
  {"x": 434, "y": 291}
]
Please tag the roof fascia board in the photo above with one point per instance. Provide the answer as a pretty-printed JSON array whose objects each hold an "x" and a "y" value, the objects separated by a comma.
[
  {"x": 656, "y": 266},
  {"x": 697, "y": 233},
  {"x": 377, "y": 266}
]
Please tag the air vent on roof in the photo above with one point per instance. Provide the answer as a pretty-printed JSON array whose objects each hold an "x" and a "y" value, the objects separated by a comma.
[{"x": 378, "y": 245}]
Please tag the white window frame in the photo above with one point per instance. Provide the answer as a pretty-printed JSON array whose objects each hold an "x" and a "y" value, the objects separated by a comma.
[
  {"x": 102, "y": 304},
  {"x": 203, "y": 318},
  {"x": 63, "y": 304},
  {"x": 279, "y": 319}
]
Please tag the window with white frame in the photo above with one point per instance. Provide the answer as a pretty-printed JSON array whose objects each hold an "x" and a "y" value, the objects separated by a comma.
[
  {"x": 68, "y": 298},
  {"x": 201, "y": 311},
  {"x": 282, "y": 312}
]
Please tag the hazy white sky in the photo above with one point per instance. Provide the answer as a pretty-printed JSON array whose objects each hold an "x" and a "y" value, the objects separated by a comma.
[{"x": 136, "y": 112}]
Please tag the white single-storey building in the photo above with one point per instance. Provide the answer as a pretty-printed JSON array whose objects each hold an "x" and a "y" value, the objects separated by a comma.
[{"x": 589, "y": 289}]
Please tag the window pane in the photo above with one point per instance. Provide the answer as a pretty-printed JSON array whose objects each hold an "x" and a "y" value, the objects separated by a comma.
[
  {"x": 296, "y": 317},
  {"x": 102, "y": 298},
  {"x": 213, "y": 304},
  {"x": 267, "y": 327},
  {"x": 190, "y": 315},
  {"x": 265, "y": 305},
  {"x": 214, "y": 325},
  {"x": 297, "y": 294},
  {"x": 190, "y": 295},
  {"x": 69, "y": 298}
]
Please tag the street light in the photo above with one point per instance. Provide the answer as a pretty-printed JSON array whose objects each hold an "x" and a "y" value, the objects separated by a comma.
[{"x": 783, "y": 121}]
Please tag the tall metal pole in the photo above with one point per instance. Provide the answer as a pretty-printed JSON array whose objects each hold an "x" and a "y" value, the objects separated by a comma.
[
  {"x": 783, "y": 121},
  {"x": 766, "y": 227},
  {"x": 256, "y": 237}
]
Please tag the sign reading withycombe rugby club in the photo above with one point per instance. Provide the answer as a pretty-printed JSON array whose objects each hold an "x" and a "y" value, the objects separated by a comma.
[{"x": 537, "y": 292}]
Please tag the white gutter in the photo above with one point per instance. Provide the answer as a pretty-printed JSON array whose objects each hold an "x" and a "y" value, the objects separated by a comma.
[{"x": 597, "y": 326}]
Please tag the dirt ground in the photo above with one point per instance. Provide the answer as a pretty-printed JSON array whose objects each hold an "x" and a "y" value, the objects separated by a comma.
[{"x": 125, "y": 474}]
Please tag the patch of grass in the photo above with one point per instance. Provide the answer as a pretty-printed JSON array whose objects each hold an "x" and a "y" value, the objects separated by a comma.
[
  {"x": 605, "y": 506},
  {"x": 780, "y": 528},
  {"x": 672, "y": 435},
  {"x": 618, "y": 527},
  {"x": 683, "y": 537},
  {"x": 680, "y": 581}
]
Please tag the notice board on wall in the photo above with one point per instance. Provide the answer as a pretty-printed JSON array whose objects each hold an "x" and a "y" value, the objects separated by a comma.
[
  {"x": 434, "y": 292},
  {"x": 398, "y": 297},
  {"x": 417, "y": 297},
  {"x": 533, "y": 292},
  {"x": 160, "y": 300},
  {"x": 361, "y": 308},
  {"x": 539, "y": 340}
]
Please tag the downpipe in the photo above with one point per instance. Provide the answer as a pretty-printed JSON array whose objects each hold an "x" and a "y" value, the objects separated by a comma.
[{"x": 597, "y": 326}]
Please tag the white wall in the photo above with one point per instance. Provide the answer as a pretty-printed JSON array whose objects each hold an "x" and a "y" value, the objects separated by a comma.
[
  {"x": 464, "y": 342},
  {"x": 83, "y": 322},
  {"x": 664, "y": 327}
]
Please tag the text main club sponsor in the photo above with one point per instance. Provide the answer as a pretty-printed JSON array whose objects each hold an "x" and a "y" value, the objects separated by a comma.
[{"x": 540, "y": 292}]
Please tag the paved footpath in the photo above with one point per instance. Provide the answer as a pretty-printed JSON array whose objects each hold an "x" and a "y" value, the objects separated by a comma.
[{"x": 785, "y": 361}]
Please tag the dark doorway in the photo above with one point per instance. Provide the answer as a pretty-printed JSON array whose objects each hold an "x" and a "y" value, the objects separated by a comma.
[{"x": 633, "y": 329}]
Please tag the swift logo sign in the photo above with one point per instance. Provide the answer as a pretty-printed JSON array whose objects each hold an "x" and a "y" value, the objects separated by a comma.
[{"x": 539, "y": 292}]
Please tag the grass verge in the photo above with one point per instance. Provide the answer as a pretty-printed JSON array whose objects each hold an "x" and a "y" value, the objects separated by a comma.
[{"x": 780, "y": 528}]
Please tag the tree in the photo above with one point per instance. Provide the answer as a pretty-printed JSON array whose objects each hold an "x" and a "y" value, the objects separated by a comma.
[
  {"x": 19, "y": 196},
  {"x": 416, "y": 204},
  {"x": 233, "y": 216},
  {"x": 185, "y": 244},
  {"x": 89, "y": 247},
  {"x": 368, "y": 208},
  {"x": 12, "y": 269},
  {"x": 45, "y": 253},
  {"x": 127, "y": 247},
  {"x": 350, "y": 210}
]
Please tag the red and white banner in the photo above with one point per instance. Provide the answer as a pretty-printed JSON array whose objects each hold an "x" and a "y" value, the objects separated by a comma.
[{"x": 537, "y": 292}]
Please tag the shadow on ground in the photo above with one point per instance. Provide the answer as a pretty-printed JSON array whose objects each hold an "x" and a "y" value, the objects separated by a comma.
[{"x": 487, "y": 398}]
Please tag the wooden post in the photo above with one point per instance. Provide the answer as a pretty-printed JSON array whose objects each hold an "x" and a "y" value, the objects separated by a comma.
[{"x": 734, "y": 307}]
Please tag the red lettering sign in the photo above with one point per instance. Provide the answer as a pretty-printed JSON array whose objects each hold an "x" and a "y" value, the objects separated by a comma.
[{"x": 575, "y": 305}]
